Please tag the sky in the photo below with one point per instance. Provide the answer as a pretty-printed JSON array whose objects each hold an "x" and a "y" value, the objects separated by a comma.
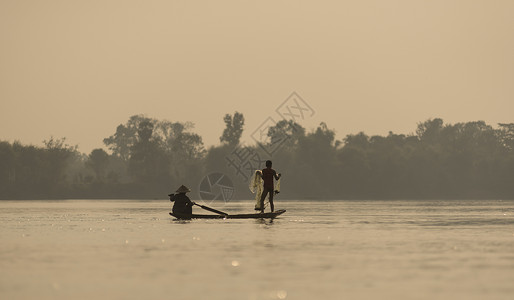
[{"x": 78, "y": 69}]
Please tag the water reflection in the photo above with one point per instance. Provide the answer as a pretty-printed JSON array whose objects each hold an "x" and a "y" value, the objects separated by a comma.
[{"x": 264, "y": 221}]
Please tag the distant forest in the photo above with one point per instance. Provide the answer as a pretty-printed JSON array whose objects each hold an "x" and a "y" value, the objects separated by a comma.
[{"x": 146, "y": 158}]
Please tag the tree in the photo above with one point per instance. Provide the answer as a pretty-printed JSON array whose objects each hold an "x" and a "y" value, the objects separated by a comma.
[
  {"x": 354, "y": 165},
  {"x": 429, "y": 130},
  {"x": 126, "y": 135},
  {"x": 175, "y": 138},
  {"x": 56, "y": 155},
  {"x": 148, "y": 162},
  {"x": 287, "y": 133},
  {"x": 178, "y": 142},
  {"x": 234, "y": 129},
  {"x": 315, "y": 156},
  {"x": 506, "y": 135},
  {"x": 7, "y": 166},
  {"x": 98, "y": 161}
]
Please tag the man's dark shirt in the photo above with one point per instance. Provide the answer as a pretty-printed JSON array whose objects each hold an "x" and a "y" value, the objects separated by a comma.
[{"x": 183, "y": 204}]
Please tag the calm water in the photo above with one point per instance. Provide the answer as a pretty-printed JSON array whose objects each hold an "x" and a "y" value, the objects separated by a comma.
[{"x": 317, "y": 250}]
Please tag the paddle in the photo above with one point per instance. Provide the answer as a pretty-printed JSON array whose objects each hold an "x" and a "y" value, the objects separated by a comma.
[{"x": 211, "y": 209}]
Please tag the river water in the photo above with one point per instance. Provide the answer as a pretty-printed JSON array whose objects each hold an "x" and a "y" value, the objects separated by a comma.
[{"x": 105, "y": 249}]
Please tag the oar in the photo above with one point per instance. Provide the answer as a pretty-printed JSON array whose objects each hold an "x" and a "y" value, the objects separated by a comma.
[{"x": 211, "y": 209}]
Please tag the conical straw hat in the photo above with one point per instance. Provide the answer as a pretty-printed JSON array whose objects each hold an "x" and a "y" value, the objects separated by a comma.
[{"x": 183, "y": 189}]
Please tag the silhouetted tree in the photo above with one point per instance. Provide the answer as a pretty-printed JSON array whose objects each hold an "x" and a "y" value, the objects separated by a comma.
[
  {"x": 176, "y": 139},
  {"x": 456, "y": 161},
  {"x": 98, "y": 161},
  {"x": 355, "y": 170},
  {"x": 56, "y": 154},
  {"x": 314, "y": 158},
  {"x": 506, "y": 135},
  {"x": 429, "y": 130},
  {"x": 233, "y": 128},
  {"x": 7, "y": 167},
  {"x": 148, "y": 162},
  {"x": 126, "y": 135},
  {"x": 287, "y": 133}
]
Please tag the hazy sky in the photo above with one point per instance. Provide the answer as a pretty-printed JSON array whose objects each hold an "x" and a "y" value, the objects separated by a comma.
[{"x": 77, "y": 69}]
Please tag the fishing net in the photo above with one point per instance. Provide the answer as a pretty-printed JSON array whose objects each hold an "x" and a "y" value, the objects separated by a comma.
[{"x": 256, "y": 186}]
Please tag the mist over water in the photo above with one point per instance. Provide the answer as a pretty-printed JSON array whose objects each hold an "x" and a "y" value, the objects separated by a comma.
[{"x": 317, "y": 250}]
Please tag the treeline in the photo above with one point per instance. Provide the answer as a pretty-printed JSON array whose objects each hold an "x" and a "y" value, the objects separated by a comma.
[{"x": 149, "y": 158}]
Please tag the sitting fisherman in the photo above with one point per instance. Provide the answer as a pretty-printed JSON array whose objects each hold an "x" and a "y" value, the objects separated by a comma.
[{"x": 183, "y": 204}]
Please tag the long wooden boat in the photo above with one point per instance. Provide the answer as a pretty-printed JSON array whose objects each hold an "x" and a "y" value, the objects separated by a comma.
[{"x": 269, "y": 215}]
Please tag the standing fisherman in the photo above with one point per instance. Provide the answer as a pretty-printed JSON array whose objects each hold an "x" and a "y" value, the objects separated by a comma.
[{"x": 267, "y": 176}]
